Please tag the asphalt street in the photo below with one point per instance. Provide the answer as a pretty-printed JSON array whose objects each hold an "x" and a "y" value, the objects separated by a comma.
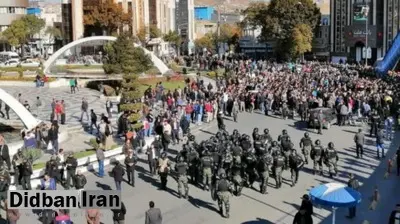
[{"x": 278, "y": 206}]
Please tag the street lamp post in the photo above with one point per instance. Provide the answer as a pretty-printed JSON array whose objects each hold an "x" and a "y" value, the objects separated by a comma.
[{"x": 366, "y": 13}]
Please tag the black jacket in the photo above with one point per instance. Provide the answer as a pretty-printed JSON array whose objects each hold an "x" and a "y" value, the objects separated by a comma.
[
  {"x": 52, "y": 168},
  {"x": 307, "y": 206},
  {"x": 119, "y": 214},
  {"x": 5, "y": 156},
  {"x": 118, "y": 173},
  {"x": 53, "y": 134},
  {"x": 80, "y": 181},
  {"x": 302, "y": 218},
  {"x": 27, "y": 169},
  {"x": 73, "y": 163}
]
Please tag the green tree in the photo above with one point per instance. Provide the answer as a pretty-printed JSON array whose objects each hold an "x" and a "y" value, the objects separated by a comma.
[
  {"x": 53, "y": 34},
  {"x": 33, "y": 24},
  {"x": 280, "y": 19},
  {"x": 123, "y": 57},
  {"x": 173, "y": 37},
  {"x": 255, "y": 14},
  {"x": 301, "y": 40},
  {"x": 207, "y": 41},
  {"x": 154, "y": 32}
]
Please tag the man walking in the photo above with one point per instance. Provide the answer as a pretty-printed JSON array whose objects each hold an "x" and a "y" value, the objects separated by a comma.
[
  {"x": 84, "y": 109},
  {"x": 359, "y": 139},
  {"x": 130, "y": 162},
  {"x": 53, "y": 137},
  {"x": 100, "y": 159},
  {"x": 153, "y": 215},
  {"x": 118, "y": 174},
  {"x": 38, "y": 105},
  {"x": 353, "y": 183}
]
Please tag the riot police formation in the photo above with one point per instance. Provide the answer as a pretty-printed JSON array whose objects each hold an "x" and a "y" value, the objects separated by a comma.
[{"x": 225, "y": 163}]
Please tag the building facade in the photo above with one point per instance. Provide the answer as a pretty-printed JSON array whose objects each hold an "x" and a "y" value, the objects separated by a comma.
[
  {"x": 320, "y": 44},
  {"x": 352, "y": 29},
  {"x": 203, "y": 12},
  {"x": 185, "y": 23}
]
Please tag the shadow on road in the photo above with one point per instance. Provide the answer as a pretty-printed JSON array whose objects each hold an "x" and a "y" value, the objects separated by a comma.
[
  {"x": 258, "y": 221},
  {"x": 207, "y": 132},
  {"x": 198, "y": 203},
  {"x": 103, "y": 186}
]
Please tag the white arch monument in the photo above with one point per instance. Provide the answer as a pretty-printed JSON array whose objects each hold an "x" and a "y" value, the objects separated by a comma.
[
  {"x": 29, "y": 121},
  {"x": 157, "y": 62}
]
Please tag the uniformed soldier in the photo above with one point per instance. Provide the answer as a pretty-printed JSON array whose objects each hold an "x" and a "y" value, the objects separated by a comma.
[
  {"x": 223, "y": 192},
  {"x": 264, "y": 168},
  {"x": 71, "y": 164},
  {"x": 295, "y": 162},
  {"x": 207, "y": 164},
  {"x": 237, "y": 152},
  {"x": 267, "y": 137},
  {"x": 316, "y": 154},
  {"x": 258, "y": 144},
  {"x": 255, "y": 133},
  {"x": 245, "y": 143},
  {"x": 251, "y": 174},
  {"x": 331, "y": 158},
  {"x": 283, "y": 137},
  {"x": 4, "y": 187},
  {"x": 227, "y": 160},
  {"x": 163, "y": 169},
  {"x": 306, "y": 145},
  {"x": 181, "y": 168},
  {"x": 287, "y": 147},
  {"x": 274, "y": 149},
  {"x": 17, "y": 161},
  {"x": 4, "y": 173},
  {"x": 235, "y": 134},
  {"x": 237, "y": 176},
  {"x": 193, "y": 161},
  {"x": 26, "y": 174},
  {"x": 279, "y": 163}
]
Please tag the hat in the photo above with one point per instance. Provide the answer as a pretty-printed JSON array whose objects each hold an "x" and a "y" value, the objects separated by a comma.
[{"x": 305, "y": 197}]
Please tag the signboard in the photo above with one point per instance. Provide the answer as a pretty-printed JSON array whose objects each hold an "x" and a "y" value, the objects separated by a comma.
[
  {"x": 367, "y": 52},
  {"x": 360, "y": 12},
  {"x": 356, "y": 33}
]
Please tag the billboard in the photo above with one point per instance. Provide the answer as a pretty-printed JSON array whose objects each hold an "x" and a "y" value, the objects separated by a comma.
[{"x": 360, "y": 12}]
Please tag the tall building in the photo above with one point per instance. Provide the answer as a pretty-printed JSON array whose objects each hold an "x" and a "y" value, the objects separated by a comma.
[
  {"x": 352, "y": 29},
  {"x": 185, "y": 23},
  {"x": 10, "y": 10}
]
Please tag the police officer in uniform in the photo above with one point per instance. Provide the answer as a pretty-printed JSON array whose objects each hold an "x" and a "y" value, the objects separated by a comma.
[
  {"x": 237, "y": 176},
  {"x": 245, "y": 143},
  {"x": 295, "y": 162},
  {"x": 287, "y": 147},
  {"x": 181, "y": 168},
  {"x": 223, "y": 192},
  {"x": 267, "y": 137},
  {"x": 258, "y": 144},
  {"x": 250, "y": 162},
  {"x": 283, "y": 137},
  {"x": 207, "y": 164},
  {"x": 264, "y": 168},
  {"x": 279, "y": 163},
  {"x": 4, "y": 187},
  {"x": 17, "y": 161},
  {"x": 255, "y": 133},
  {"x": 193, "y": 161},
  {"x": 317, "y": 156},
  {"x": 331, "y": 159},
  {"x": 306, "y": 145},
  {"x": 274, "y": 149},
  {"x": 71, "y": 163},
  {"x": 163, "y": 169},
  {"x": 227, "y": 160},
  {"x": 237, "y": 152},
  {"x": 26, "y": 174}
]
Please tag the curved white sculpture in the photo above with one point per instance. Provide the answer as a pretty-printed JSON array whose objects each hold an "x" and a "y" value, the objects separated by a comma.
[
  {"x": 29, "y": 121},
  {"x": 157, "y": 62}
]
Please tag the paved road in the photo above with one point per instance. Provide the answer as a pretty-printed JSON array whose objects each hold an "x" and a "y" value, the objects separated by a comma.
[{"x": 279, "y": 206}]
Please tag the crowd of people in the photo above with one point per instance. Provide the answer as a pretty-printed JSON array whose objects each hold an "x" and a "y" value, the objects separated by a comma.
[{"x": 227, "y": 162}]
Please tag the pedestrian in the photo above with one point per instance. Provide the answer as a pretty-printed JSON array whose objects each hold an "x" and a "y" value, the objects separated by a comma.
[
  {"x": 62, "y": 217},
  {"x": 48, "y": 183},
  {"x": 84, "y": 109},
  {"x": 38, "y": 105},
  {"x": 4, "y": 153},
  {"x": 80, "y": 181},
  {"x": 306, "y": 204},
  {"x": 71, "y": 164},
  {"x": 72, "y": 85},
  {"x": 153, "y": 215},
  {"x": 380, "y": 144},
  {"x": 359, "y": 139},
  {"x": 389, "y": 127},
  {"x": 7, "y": 109},
  {"x": 354, "y": 184},
  {"x": 301, "y": 217},
  {"x": 118, "y": 174},
  {"x": 119, "y": 214},
  {"x": 109, "y": 107},
  {"x": 1, "y": 112},
  {"x": 26, "y": 173},
  {"x": 93, "y": 122},
  {"x": 100, "y": 159},
  {"x": 52, "y": 136},
  {"x": 13, "y": 214},
  {"x": 130, "y": 163},
  {"x": 152, "y": 158},
  {"x": 93, "y": 216}
]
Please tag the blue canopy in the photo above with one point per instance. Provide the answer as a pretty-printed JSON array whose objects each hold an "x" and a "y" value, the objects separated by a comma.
[{"x": 335, "y": 195}]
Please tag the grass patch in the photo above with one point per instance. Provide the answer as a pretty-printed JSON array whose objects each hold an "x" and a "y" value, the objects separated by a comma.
[
  {"x": 17, "y": 69},
  {"x": 38, "y": 166},
  {"x": 79, "y": 67},
  {"x": 22, "y": 79}
]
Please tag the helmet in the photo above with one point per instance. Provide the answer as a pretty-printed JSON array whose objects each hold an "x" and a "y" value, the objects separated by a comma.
[
  {"x": 192, "y": 137},
  {"x": 222, "y": 175},
  {"x": 274, "y": 143},
  {"x": 284, "y": 132},
  {"x": 163, "y": 155},
  {"x": 306, "y": 135},
  {"x": 317, "y": 142},
  {"x": 255, "y": 130},
  {"x": 256, "y": 136},
  {"x": 266, "y": 131},
  {"x": 235, "y": 132},
  {"x": 331, "y": 145},
  {"x": 53, "y": 158},
  {"x": 181, "y": 159}
]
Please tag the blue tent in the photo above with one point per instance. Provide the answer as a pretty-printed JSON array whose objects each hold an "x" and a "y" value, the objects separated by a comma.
[{"x": 335, "y": 195}]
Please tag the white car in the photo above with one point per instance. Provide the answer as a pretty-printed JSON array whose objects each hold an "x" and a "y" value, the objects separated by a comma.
[
  {"x": 29, "y": 63},
  {"x": 10, "y": 63}
]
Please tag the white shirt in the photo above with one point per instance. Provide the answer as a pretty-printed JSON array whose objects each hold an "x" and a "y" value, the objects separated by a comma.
[
  {"x": 167, "y": 129},
  {"x": 225, "y": 99}
]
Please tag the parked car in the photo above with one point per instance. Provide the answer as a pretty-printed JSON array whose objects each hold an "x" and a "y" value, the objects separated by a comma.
[
  {"x": 29, "y": 63},
  {"x": 328, "y": 118},
  {"x": 10, "y": 63}
]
